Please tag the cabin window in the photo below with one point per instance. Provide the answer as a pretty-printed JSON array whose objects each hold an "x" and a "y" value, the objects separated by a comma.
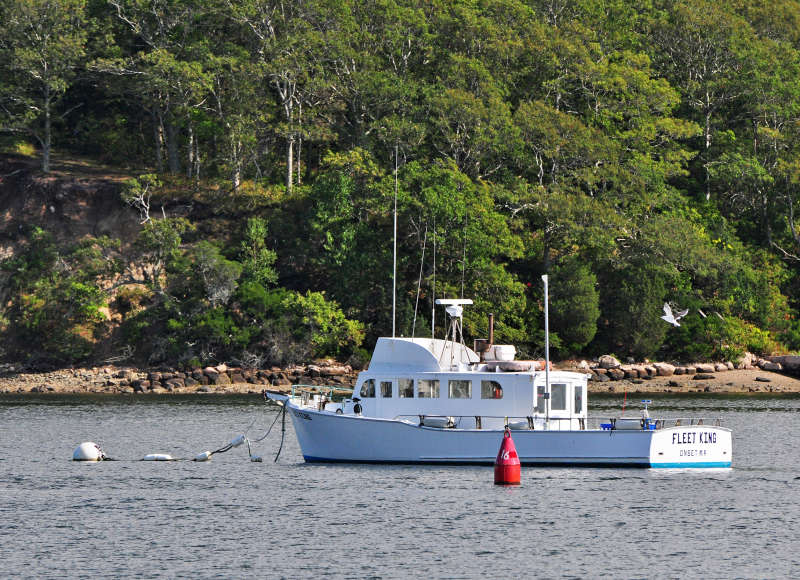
[
  {"x": 491, "y": 390},
  {"x": 541, "y": 402},
  {"x": 428, "y": 389},
  {"x": 386, "y": 389},
  {"x": 460, "y": 389},
  {"x": 558, "y": 397},
  {"x": 405, "y": 388},
  {"x": 368, "y": 388},
  {"x": 578, "y": 399}
]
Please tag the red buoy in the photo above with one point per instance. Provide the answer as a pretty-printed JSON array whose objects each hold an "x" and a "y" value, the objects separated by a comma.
[{"x": 506, "y": 466}]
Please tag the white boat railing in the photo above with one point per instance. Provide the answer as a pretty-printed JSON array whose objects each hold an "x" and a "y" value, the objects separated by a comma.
[
  {"x": 522, "y": 423},
  {"x": 519, "y": 423},
  {"x": 328, "y": 393}
]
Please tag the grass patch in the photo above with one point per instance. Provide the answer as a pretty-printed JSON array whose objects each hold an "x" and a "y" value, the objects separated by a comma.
[{"x": 15, "y": 145}]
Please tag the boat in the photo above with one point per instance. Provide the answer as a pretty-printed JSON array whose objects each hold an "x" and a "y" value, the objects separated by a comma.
[{"x": 438, "y": 401}]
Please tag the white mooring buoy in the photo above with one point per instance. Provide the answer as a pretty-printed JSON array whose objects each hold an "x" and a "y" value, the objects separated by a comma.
[
  {"x": 204, "y": 456},
  {"x": 88, "y": 451},
  {"x": 158, "y": 457}
]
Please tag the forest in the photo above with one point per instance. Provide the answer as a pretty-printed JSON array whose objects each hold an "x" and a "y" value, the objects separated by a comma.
[{"x": 637, "y": 152}]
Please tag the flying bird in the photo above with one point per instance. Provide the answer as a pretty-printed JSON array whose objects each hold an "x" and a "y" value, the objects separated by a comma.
[{"x": 673, "y": 318}]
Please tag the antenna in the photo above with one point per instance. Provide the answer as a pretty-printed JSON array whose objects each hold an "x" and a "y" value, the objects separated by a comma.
[
  {"x": 454, "y": 307},
  {"x": 433, "y": 292},
  {"x": 464, "y": 258},
  {"x": 419, "y": 283},
  {"x": 394, "y": 262},
  {"x": 546, "y": 354}
]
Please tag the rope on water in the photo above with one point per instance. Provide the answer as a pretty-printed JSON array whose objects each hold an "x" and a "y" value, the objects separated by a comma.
[
  {"x": 283, "y": 433},
  {"x": 264, "y": 436},
  {"x": 90, "y": 451}
]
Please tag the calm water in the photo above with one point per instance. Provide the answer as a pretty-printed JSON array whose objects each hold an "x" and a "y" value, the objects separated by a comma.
[{"x": 233, "y": 518}]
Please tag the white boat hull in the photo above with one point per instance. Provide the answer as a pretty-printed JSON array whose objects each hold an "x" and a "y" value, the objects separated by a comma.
[{"x": 330, "y": 437}]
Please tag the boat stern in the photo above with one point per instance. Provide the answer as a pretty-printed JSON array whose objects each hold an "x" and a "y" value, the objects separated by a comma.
[{"x": 698, "y": 446}]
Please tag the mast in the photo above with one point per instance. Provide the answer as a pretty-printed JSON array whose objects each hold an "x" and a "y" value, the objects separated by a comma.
[
  {"x": 433, "y": 290},
  {"x": 546, "y": 355},
  {"x": 394, "y": 261}
]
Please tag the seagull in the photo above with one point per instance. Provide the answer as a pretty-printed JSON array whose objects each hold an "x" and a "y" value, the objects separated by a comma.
[{"x": 673, "y": 318}]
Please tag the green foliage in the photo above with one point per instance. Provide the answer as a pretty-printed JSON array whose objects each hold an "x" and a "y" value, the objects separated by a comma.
[
  {"x": 631, "y": 301},
  {"x": 574, "y": 306},
  {"x": 56, "y": 304},
  {"x": 257, "y": 259},
  {"x": 218, "y": 274},
  {"x": 713, "y": 338},
  {"x": 330, "y": 333},
  {"x": 137, "y": 193},
  {"x": 42, "y": 43},
  {"x": 652, "y": 145}
]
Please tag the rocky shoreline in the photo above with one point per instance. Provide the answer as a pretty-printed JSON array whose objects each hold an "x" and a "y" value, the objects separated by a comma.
[
  {"x": 606, "y": 375},
  {"x": 220, "y": 379},
  {"x": 750, "y": 374}
]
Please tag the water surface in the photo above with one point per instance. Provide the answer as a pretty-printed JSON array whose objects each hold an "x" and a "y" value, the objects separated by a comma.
[{"x": 233, "y": 518}]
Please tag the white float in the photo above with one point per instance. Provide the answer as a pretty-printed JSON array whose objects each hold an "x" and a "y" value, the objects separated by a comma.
[
  {"x": 158, "y": 457},
  {"x": 88, "y": 451}
]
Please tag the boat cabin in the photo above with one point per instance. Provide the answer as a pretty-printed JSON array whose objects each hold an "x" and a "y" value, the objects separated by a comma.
[{"x": 444, "y": 383}]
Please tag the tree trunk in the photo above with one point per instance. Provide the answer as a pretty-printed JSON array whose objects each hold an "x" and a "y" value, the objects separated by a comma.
[
  {"x": 236, "y": 164},
  {"x": 190, "y": 152},
  {"x": 289, "y": 162},
  {"x": 708, "y": 147},
  {"x": 157, "y": 140},
  {"x": 196, "y": 162},
  {"x": 299, "y": 155},
  {"x": 47, "y": 133}
]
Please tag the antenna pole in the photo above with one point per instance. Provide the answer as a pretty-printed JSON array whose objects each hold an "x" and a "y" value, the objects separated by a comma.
[
  {"x": 433, "y": 292},
  {"x": 546, "y": 354},
  {"x": 394, "y": 261}
]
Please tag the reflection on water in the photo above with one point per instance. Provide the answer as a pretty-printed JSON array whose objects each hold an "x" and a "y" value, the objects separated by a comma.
[{"x": 233, "y": 518}]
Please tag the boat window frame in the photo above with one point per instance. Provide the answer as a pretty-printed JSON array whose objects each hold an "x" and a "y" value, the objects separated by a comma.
[
  {"x": 370, "y": 382},
  {"x": 391, "y": 389},
  {"x": 564, "y": 398},
  {"x": 468, "y": 391},
  {"x": 488, "y": 383},
  {"x": 541, "y": 401},
  {"x": 406, "y": 388},
  {"x": 577, "y": 399},
  {"x": 435, "y": 387}
]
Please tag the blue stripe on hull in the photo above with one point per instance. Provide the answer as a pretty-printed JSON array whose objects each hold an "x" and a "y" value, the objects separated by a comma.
[
  {"x": 706, "y": 464},
  {"x": 572, "y": 463}
]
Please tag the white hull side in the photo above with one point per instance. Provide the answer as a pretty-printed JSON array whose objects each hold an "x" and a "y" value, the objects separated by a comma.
[{"x": 329, "y": 437}]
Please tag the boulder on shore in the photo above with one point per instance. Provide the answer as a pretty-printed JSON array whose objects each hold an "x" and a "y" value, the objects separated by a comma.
[
  {"x": 664, "y": 369},
  {"x": 609, "y": 362}
]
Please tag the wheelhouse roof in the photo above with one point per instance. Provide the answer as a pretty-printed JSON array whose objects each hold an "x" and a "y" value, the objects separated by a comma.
[{"x": 418, "y": 355}]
